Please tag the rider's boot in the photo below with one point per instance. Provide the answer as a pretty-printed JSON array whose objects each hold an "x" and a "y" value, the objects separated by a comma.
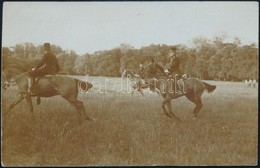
[{"x": 179, "y": 88}]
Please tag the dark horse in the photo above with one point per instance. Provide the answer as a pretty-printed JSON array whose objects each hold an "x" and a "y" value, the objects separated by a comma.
[
  {"x": 143, "y": 79},
  {"x": 192, "y": 89},
  {"x": 48, "y": 86}
]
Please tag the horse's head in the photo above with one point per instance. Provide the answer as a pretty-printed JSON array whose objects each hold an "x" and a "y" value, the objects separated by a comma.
[
  {"x": 127, "y": 74},
  {"x": 152, "y": 70},
  {"x": 5, "y": 84}
]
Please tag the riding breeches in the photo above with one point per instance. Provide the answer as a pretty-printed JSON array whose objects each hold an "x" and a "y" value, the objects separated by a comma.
[{"x": 39, "y": 72}]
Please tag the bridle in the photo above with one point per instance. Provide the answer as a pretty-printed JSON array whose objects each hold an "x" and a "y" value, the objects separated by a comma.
[
  {"x": 7, "y": 82},
  {"x": 20, "y": 75}
]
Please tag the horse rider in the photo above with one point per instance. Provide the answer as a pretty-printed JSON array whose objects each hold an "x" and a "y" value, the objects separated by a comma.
[
  {"x": 174, "y": 70},
  {"x": 48, "y": 65}
]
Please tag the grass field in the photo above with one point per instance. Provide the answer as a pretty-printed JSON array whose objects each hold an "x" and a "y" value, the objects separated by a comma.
[{"x": 132, "y": 130}]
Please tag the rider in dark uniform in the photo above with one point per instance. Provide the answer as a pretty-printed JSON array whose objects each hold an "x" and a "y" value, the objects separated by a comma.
[
  {"x": 174, "y": 69},
  {"x": 174, "y": 62},
  {"x": 48, "y": 65}
]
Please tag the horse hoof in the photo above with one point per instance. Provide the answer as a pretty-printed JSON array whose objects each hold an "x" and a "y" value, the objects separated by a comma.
[
  {"x": 179, "y": 120},
  {"x": 38, "y": 100},
  {"x": 168, "y": 115}
]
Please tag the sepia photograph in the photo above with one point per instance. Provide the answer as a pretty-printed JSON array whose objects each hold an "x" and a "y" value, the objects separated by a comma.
[{"x": 129, "y": 83}]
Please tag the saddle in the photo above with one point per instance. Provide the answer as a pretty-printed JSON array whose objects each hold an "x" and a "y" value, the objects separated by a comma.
[
  {"x": 38, "y": 78},
  {"x": 178, "y": 76},
  {"x": 35, "y": 80}
]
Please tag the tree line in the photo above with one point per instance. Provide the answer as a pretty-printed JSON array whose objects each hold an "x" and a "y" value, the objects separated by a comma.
[{"x": 207, "y": 59}]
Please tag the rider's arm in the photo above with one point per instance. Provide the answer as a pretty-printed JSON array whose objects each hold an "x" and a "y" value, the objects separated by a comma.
[{"x": 42, "y": 62}]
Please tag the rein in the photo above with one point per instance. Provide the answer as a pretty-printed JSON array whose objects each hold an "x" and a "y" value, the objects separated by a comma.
[
  {"x": 144, "y": 70},
  {"x": 17, "y": 76},
  {"x": 147, "y": 69},
  {"x": 5, "y": 79},
  {"x": 20, "y": 75}
]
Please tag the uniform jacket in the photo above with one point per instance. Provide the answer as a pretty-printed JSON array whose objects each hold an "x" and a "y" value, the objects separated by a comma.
[
  {"x": 174, "y": 65},
  {"x": 51, "y": 63}
]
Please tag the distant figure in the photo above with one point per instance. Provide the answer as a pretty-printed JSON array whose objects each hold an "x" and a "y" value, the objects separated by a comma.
[
  {"x": 250, "y": 83},
  {"x": 254, "y": 83},
  {"x": 48, "y": 65}
]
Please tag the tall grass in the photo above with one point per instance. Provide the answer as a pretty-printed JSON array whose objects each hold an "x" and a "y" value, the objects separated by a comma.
[{"x": 132, "y": 130}]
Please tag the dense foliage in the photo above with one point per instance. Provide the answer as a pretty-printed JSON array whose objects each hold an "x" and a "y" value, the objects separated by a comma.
[{"x": 206, "y": 59}]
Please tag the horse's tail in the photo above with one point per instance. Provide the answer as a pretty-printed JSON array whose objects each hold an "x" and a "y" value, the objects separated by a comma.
[
  {"x": 83, "y": 85},
  {"x": 210, "y": 88}
]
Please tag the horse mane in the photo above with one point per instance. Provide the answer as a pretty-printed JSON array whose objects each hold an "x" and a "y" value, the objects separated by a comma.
[
  {"x": 147, "y": 69},
  {"x": 19, "y": 67},
  {"x": 16, "y": 68}
]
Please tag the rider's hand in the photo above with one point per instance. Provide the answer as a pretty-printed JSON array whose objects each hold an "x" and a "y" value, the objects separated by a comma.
[{"x": 33, "y": 69}]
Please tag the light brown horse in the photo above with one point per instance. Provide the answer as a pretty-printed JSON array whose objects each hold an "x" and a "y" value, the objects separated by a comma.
[
  {"x": 49, "y": 86},
  {"x": 192, "y": 89}
]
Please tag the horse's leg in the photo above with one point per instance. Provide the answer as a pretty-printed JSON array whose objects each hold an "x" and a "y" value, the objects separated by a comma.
[
  {"x": 12, "y": 105},
  {"x": 78, "y": 105},
  {"x": 199, "y": 106},
  {"x": 133, "y": 89},
  {"x": 29, "y": 101},
  {"x": 72, "y": 101},
  {"x": 165, "y": 101},
  {"x": 169, "y": 106},
  {"x": 197, "y": 101},
  {"x": 132, "y": 92},
  {"x": 82, "y": 109},
  {"x": 157, "y": 91},
  {"x": 38, "y": 100},
  {"x": 141, "y": 91}
]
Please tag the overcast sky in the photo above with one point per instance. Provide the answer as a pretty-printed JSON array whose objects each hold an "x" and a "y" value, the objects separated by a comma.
[{"x": 86, "y": 27}]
